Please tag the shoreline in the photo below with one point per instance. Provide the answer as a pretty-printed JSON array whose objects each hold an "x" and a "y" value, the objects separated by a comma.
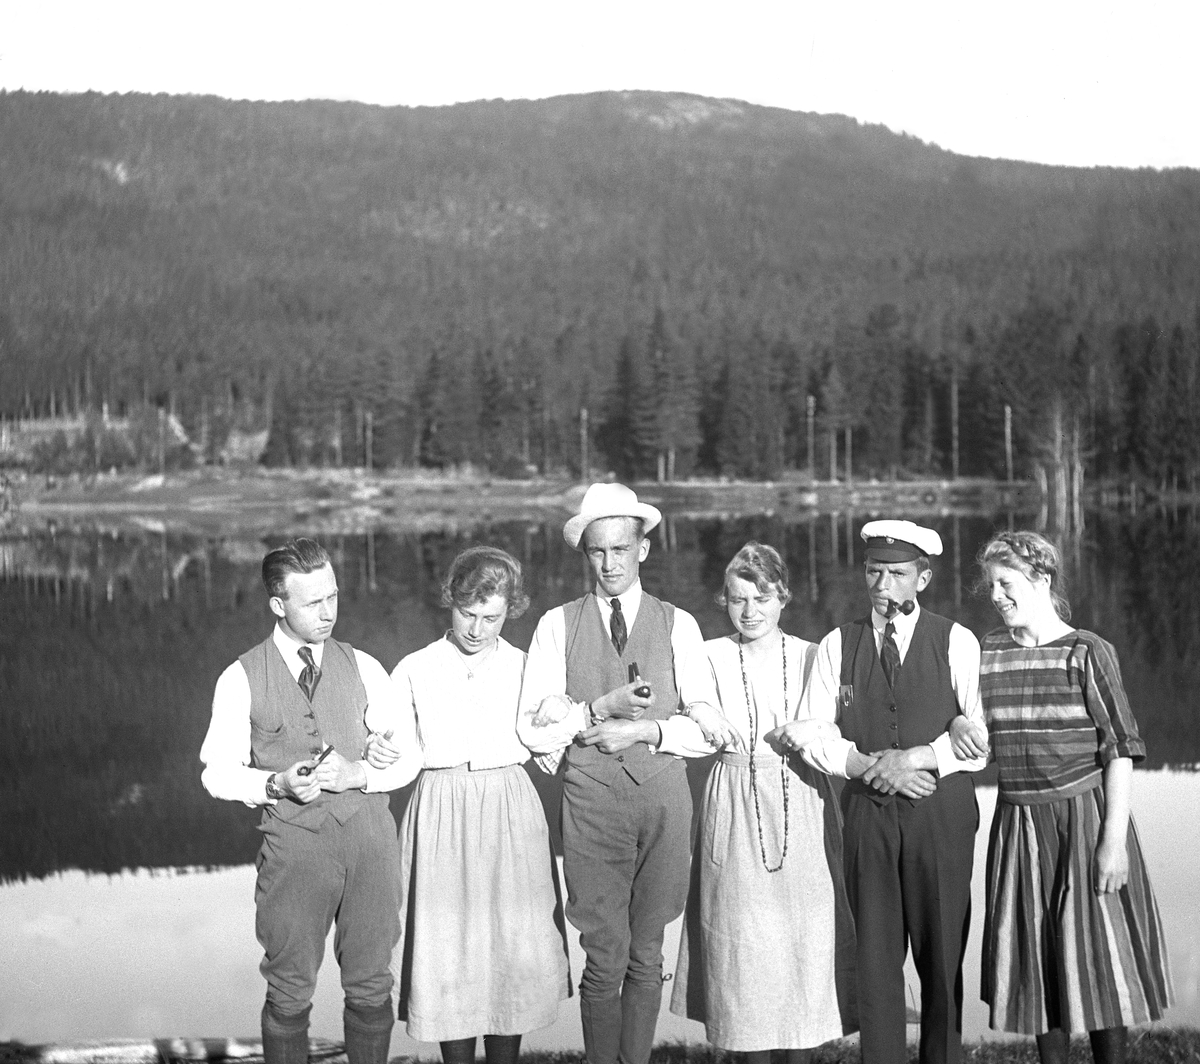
[{"x": 353, "y": 500}]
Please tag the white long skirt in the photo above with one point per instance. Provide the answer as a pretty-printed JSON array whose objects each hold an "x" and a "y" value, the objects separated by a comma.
[
  {"x": 482, "y": 945},
  {"x": 767, "y": 959}
]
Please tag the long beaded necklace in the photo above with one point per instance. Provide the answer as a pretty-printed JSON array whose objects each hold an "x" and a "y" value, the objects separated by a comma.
[{"x": 783, "y": 772}]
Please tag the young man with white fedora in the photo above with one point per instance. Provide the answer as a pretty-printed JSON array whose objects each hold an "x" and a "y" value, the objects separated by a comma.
[
  {"x": 627, "y": 808},
  {"x": 893, "y": 681}
]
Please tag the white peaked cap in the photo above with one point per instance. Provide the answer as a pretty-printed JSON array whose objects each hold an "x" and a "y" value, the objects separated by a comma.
[{"x": 885, "y": 538}]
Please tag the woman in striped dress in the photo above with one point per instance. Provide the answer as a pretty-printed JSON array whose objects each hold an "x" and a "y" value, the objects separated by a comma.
[{"x": 1072, "y": 937}]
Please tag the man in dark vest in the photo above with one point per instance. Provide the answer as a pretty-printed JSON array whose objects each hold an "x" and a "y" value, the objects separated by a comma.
[
  {"x": 893, "y": 682},
  {"x": 290, "y": 720},
  {"x": 627, "y": 809}
]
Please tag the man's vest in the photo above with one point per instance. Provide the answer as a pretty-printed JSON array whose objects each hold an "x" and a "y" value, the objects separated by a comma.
[
  {"x": 875, "y": 717},
  {"x": 594, "y": 668},
  {"x": 285, "y": 727}
]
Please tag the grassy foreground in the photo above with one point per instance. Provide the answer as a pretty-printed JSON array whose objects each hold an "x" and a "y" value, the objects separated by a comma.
[
  {"x": 1163, "y": 1045},
  {"x": 1154, "y": 1046}
]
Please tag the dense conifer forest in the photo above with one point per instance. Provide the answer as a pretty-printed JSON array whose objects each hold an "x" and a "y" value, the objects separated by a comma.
[{"x": 724, "y": 288}]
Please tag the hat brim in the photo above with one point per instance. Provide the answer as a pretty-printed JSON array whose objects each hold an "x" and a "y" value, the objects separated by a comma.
[
  {"x": 893, "y": 552},
  {"x": 650, "y": 517}
]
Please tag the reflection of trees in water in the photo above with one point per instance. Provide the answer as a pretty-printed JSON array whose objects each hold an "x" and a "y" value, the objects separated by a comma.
[{"x": 111, "y": 646}]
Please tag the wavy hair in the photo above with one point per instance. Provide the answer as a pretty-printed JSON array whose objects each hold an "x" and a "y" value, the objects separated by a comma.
[
  {"x": 478, "y": 573},
  {"x": 763, "y": 567},
  {"x": 1030, "y": 553}
]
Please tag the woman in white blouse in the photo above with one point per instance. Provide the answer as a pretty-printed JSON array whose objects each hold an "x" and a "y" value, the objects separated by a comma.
[
  {"x": 766, "y": 957},
  {"x": 480, "y": 950}
]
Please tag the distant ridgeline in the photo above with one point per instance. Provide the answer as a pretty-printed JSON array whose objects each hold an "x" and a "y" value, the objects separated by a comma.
[
  {"x": 111, "y": 646},
  {"x": 721, "y": 287}
]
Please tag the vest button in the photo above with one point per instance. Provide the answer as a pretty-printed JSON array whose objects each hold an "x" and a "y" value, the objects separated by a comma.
[
  {"x": 895, "y": 746},
  {"x": 621, "y": 757},
  {"x": 892, "y": 725},
  {"x": 892, "y": 708}
]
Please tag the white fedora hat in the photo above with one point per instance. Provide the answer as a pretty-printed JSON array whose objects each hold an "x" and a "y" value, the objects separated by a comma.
[{"x": 608, "y": 500}]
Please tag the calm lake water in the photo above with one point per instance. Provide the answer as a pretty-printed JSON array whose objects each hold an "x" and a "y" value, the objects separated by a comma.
[{"x": 126, "y": 893}]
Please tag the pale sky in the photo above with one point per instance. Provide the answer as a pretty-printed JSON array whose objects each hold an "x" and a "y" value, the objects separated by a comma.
[{"x": 1055, "y": 81}]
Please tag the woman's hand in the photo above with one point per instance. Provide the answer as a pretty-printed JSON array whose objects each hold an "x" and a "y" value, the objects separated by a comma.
[
  {"x": 968, "y": 740},
  {"x": 717, "y": 731},
  {"x": 380, "y": 750},
  {"x": 796, "y": 734},
  {"x": 553, "y": 710},
  {"x": 1111, "y": 870}
]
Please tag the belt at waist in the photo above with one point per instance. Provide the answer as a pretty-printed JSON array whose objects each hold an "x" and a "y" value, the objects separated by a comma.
[
  {"x": 762, "y": 759},
  {"x": 467, "y": 766}
]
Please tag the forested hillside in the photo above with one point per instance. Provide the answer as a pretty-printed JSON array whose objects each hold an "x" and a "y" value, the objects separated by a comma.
[{"x": 455, "y": 284}]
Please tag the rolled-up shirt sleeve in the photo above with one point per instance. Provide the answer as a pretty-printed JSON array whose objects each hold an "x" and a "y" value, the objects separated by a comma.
[
  {"x": 820, "y": 702},
  {"x": 681, "y": 735},
  {"x": 964, "y": 678},
  {"x": 389, "y": 709},
  {"x": 546, "y": 676}
]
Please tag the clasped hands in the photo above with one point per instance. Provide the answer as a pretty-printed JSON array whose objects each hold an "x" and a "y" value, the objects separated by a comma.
[{"x": 898, "y": 772}]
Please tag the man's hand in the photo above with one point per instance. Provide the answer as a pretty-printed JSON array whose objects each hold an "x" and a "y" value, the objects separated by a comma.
[
  {"x": 622, "y": 703},
  {"x": 381, "y": 751},
  {"x": 612, "y": 736},
  {"x": 714, "y": 726},
  {"x": 898, "y": 772},
  {"x": 968, "y": 740},
  {"x": 336, "y": 774},
  {"x": 304, "y": 788}
]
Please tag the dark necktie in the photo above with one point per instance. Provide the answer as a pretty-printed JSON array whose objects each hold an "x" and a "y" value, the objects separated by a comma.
[
  {"x": 616, "y": 625},
  {"x": 889, "y": 654},
  {"x": 310, "y": 674}
]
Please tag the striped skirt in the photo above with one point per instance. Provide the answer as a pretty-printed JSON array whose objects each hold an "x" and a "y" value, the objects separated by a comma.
[
  {"x": 1055, "y": 953},
  {"x": 482, "y": 945}
]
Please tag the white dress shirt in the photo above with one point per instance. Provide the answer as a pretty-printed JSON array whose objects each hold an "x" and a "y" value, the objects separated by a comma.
[
  {"x": 546, "y": 675},
  {"x": 462, "y": 710},
  {"x": 820, "y": 698},
  {"x": 226, "y": 750}
]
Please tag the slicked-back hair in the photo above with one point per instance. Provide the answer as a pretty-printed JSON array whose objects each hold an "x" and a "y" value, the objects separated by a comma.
[
  {"x": 762, "y": 566},
  {"x": 300, "y": 556},
  {"x": 478, "y": 573},
  {"x": 1030, "y": 553}
]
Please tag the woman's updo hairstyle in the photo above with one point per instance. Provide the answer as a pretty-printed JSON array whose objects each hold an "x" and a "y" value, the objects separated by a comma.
[
  {"x": 1031, "y": 553},
  {"x": 760, "y": 565},
  {"x": 478, "y": 573}
]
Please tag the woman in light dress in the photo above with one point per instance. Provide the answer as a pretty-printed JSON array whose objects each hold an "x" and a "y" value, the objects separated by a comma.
[
  {"x": 1072, "y": 939},
  {"x": 766, "y": 958},
  {"x": 482, "y": 947}
]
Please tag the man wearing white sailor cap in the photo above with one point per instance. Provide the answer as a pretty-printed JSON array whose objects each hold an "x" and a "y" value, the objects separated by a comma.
[
  {"x": 627, "y": 807},
  {"x": 893, "y": 681}
]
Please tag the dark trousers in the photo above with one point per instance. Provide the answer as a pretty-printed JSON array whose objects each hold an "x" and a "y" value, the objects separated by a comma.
[
  {"x": 306, "y": 879},
  {"x": 626, "y": 852},
  {"x": 908, "y": 877}
]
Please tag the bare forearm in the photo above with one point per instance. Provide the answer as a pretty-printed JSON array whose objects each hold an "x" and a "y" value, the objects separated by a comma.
[{"x": 1118, "y": 787}]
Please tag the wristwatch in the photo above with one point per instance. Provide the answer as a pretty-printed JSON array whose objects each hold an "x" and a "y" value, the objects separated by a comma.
[{"x": 274, "y": 791}]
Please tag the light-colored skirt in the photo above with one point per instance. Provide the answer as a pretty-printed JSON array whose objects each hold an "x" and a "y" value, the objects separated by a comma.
[
  {"x": 766, "y": 959},
  {"x": 482, "y": 945},
  {"x": 1055, "y": 953}
]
